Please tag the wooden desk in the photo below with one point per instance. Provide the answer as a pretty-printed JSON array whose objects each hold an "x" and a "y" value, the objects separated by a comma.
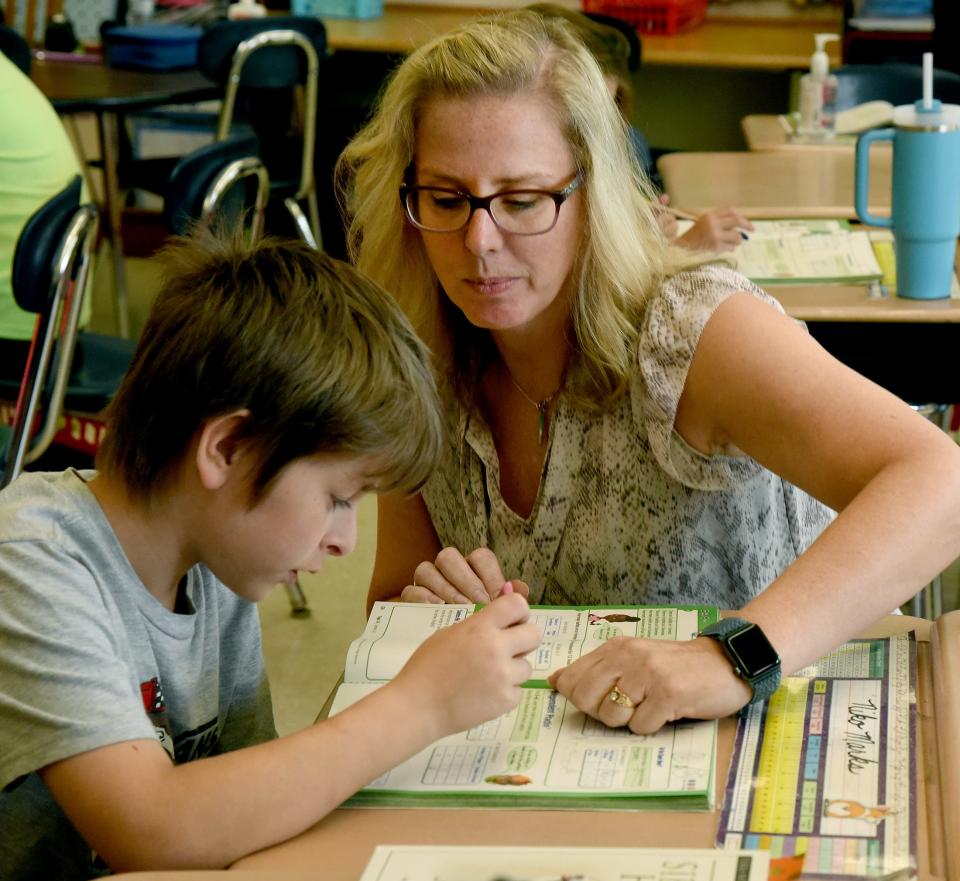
[
  {"x": 107, "y": 92},
  {"x": 342, "y": 843},
  {"x": 765, "y": 131},
  {"x": 725, "y": 43},
  {"x": 802, "y": 183},
  {"x": 853, "y": 303}
]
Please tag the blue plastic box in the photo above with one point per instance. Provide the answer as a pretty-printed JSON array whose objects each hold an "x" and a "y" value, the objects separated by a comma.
[
  {"x": 338, "y": 8},
  {"x": 152, "y": 46}
]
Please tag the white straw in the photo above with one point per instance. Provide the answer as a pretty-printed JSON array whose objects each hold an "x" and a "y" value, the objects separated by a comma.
[{"x": 927, "y": 80}]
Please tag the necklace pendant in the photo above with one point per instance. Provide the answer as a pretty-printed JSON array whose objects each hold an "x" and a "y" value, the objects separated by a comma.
[{"x": 542, "y": 421}]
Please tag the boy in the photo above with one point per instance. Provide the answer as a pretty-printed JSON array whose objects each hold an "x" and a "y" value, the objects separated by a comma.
[{"x": 272, "y": 387}]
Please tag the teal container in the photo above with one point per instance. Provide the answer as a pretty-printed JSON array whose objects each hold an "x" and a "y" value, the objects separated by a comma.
[{"x": 925, "y": 216}]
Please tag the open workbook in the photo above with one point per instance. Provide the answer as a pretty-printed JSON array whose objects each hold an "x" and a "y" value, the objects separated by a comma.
[{"x": 545, "y": 753}]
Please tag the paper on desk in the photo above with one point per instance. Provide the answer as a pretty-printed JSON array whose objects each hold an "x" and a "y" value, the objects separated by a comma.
[
  {"x": 804, "y": 251},
  {"x": 828, "y": 764},
  {"x": 459, "y": 863}
]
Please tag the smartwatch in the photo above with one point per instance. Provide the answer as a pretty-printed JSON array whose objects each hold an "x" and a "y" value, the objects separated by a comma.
[{"x": 754, "y": 660}]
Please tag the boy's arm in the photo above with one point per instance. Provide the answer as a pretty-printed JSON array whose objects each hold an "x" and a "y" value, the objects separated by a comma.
[
  {"x": 405, "y": 538},
  {"x": 138, "y": 810}
]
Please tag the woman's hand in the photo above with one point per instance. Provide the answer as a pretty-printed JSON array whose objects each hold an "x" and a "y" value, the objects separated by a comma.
[
  {"x": 470, "y": 672},
  {"x": 663, "y": 679},
  {"x": 453, "y": 578},
  {"x": 719, "y": 229}
]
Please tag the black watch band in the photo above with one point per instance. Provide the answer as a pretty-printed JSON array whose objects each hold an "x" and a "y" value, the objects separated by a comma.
[{"x": 754, "y": 659}]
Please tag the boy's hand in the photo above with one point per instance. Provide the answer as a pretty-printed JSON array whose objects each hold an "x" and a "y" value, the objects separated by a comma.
[
  {"x": 453, "y": 578},
  {"x": 472, "y": 672}
]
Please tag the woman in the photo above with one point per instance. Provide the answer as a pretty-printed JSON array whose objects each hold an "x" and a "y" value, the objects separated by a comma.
[{"x": 624, "y": 425}]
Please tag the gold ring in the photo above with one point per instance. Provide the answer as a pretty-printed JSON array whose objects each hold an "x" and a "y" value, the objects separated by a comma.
[{"x": 620, "y": 698}]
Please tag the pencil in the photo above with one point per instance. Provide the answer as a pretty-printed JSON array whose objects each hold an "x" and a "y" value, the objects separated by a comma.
[{"x": 686, "y": 215}]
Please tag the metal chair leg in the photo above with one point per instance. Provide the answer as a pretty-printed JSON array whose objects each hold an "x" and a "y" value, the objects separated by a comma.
[
  {"x": 298, "y": 600},
  {"x": 300, "y": 219}
]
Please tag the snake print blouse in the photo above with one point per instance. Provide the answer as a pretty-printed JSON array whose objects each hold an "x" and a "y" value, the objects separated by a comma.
[{"x": 627, "y": 512}]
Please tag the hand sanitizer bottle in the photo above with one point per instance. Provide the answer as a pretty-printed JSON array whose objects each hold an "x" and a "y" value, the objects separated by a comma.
[
  {"x": 246, "y": 9},
  {"x": 818, "y": 94}
]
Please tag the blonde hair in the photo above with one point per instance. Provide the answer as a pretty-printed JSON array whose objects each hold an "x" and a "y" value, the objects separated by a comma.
[
  {"x": 323, "y": 359},
  {"x": 623, "y": 257}
]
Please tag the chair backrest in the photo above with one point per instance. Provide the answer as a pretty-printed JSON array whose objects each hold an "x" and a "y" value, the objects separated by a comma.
[
  {"x": 267, "y": 54},
  {"x": 200, "y": 182},
  {"x": 897, "y": 83},
  {"x": 51, "y": 261},
  {"x": 15, "y": 48}
]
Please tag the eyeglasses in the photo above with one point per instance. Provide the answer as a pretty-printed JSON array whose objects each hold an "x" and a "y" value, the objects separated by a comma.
[{"x": 521, "y": 212}]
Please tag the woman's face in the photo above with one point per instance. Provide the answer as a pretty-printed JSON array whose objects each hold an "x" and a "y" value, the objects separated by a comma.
[{"x": 484, "y": 145}]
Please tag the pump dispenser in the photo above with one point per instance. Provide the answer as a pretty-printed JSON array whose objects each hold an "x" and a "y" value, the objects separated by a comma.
[
  {"x": 246, "y": 9},
  {"x": 818, "y": 93}
]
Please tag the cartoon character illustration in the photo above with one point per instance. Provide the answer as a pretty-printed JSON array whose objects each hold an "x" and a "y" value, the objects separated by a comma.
[
  {"x": 612, "y": 618},
  {"x": 508, "y": 779},
  {"x": 845, "y": 808}
]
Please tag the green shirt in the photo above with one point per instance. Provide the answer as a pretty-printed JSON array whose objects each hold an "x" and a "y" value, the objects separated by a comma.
[{"x": 37, "y": 160}]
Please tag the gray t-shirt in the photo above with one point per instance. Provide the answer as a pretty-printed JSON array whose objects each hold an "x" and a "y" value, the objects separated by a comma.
[
  {"x": 627, "y": 512},
  {"x": 88, "y": 658}
]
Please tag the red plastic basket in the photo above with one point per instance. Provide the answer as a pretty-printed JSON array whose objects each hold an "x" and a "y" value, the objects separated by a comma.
[{"x": 652, "y": 16}]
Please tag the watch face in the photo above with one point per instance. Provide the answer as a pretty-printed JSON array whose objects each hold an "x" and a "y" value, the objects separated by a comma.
[{"x": 754, "y": 654}]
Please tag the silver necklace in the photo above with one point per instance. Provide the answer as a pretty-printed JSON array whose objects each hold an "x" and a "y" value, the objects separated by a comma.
[{"x": 541, "y": 405}]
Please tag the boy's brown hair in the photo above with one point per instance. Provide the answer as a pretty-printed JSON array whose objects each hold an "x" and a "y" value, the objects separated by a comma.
[{"x": 321, "y": 356}]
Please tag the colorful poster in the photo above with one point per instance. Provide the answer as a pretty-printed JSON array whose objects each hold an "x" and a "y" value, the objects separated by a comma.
[{"x": 827, "y": 765}]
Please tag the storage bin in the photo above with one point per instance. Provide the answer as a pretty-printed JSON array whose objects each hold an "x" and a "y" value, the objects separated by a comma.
[
  {"x": 338, "y": 8},
  {"x": 652, "y": 16},
  {"x": 152, "y": 46}
]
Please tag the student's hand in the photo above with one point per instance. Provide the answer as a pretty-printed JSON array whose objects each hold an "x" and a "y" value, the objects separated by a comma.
[
  {"x": 666, "y": 220},
  {"x": 472, "y": 671},
  {"x": 454, "y": 578},
  {"x": 718, "y": 229},
  {"x": 665, "y": 680}
]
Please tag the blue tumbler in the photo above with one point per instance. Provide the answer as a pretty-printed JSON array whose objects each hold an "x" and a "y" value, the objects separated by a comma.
[{"x": 926, "y": 195}]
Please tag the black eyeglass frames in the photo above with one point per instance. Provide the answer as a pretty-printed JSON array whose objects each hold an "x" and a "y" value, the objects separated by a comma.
[{"x": 520, "y": 212}]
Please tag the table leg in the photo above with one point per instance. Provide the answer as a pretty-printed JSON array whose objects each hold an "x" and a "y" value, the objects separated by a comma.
[{"x": 109, "y": 150}]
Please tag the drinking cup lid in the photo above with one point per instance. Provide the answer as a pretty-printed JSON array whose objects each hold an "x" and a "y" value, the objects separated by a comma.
[{"x": 937, "y": 117}]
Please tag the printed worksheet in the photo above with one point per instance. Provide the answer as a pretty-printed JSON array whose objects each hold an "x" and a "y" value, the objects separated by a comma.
[
  {"x": 547, "y": 753},
  {"x": 451, "y": 863},
  {"x": 395, "y": 630},
  {"x": 827, "y": 765}
]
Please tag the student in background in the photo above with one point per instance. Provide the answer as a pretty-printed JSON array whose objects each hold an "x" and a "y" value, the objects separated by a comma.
[
  {"x": 626, "y": 423},
  {"x": 272, "y": 387},
  {"x": 37, "y": 160},
  {"x": 718, "y": 229}
]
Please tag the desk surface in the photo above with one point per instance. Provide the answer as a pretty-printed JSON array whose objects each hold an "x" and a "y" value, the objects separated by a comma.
[
  {"x": 804, "y": 183},
  {"x": 740, "y": 44},
  {"x": 79, "y": 86},
  {"x": 853, "y": 303},
  {"x": 342, "y": 843}
]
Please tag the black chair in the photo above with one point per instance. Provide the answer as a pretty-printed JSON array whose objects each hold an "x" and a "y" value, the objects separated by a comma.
[
  {"x": 210, "y": 185},
  {"x": 260, "y": 63},
  {"x": 897, "y": 83},
  {"x": 50, "y": 267},
  {"x": 15, "y": 48}
]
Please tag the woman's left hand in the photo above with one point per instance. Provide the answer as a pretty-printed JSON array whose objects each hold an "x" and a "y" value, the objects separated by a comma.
[{"x": 663, "y": 679}]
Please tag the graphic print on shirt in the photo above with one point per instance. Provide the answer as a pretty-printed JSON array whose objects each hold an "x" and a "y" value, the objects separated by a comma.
[{"x": 203, "y": 740}]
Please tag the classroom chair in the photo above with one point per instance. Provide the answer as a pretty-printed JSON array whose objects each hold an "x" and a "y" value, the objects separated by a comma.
[
  {"x": 203, "y": 187},
  {"x": 50, "y": 267},
  {"x": 261, "y": 63},
  {"x": 15, "y": 48}
]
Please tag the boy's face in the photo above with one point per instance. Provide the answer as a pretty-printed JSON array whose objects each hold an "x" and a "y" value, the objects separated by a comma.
[{"x": 308, "y": 512}]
